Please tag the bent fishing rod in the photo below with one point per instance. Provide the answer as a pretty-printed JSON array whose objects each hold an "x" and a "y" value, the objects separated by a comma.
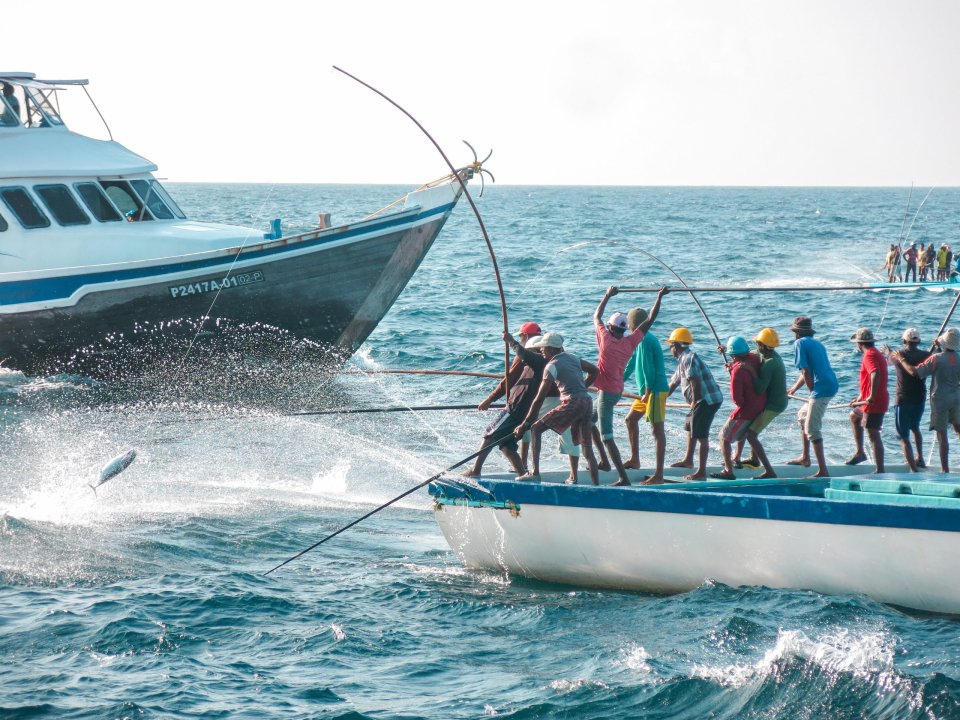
[
  {"x": 489, "y": 446},
  {"x": 475, "y": 167}
]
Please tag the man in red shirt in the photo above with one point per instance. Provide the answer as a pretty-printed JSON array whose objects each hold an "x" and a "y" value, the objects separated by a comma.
[
  {"x": 872, "y": 402},
  {"x": 748, "y": 403}
]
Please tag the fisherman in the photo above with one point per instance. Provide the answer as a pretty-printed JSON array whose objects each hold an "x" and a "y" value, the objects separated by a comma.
[
  {"x": 810, "y": 358},
  {"x": 942, "y": 262},
  {"x": 944, "y": 368},
  {"x": 911, "y": 396},
  {"x": 922, "y": 262},
  {"x": 888, "y": 263},
  {"x": 772, "y": 380},
  {"x": 10, "y": 106},
  {"x": 701, "y": 393},
  {"x": 615, "y": 350},
  {"x": 910, "y": 258},
  {"x": 872, "y": 401},
  {"x": 565, "y": 441},
  {"x": 575, "y": 410},
  {"x": 744, "y": 367},
  {"x": 524, "y": 379},
  {"x": 646, "y": 365},
  {"x": 931, "y": 261}
]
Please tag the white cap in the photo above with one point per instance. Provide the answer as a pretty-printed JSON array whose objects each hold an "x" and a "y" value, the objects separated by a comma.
[
  {"x": 911, "y": 335},
  {"x": 618, "y": 319},
  {"x": 532, "y": 341},
  {"x": 551, "y": 340}
]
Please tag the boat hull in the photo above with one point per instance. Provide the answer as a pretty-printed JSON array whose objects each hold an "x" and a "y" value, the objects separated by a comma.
[
  {"x": 333, "y": 293},
  {"x": 668, "y": 540}
]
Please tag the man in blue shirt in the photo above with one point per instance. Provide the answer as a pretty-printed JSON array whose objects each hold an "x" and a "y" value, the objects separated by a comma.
[{"x": 810, "y": 358}]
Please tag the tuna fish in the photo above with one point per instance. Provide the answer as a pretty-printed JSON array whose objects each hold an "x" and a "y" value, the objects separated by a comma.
[{"x": 113, "y": 468}]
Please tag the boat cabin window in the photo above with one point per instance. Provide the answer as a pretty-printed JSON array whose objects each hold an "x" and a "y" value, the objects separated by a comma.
[
  {"x": 126, "y": 200},
  {"x": 41, "y": 107},
  {"x": 24, "y": 208},
  {"x": 61, "y": 204},
  {"x": 9, "y": 106},
  {"x": 152, "y": 200},
  {"x": 170, "y": 202},
  {"x": 96, "y": 202}
]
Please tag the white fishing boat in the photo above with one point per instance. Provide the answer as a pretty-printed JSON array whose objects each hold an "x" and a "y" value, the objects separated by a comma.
[
  {"x": 892, "y": 536},
  {"x": 92, "y": 247}
]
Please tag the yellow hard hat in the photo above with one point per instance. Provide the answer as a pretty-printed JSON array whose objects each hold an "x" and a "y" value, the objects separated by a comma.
[
  {"x": 769, "y": 337},
  {"x": 680, "y": 335}
]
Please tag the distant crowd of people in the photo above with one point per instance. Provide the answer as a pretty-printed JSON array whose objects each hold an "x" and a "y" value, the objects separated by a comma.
[
  {"x": 923, "y": 264},
  {"x": 549, "y": 390}
]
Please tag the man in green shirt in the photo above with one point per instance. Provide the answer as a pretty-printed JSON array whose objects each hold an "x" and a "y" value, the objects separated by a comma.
[
  {"x": 646, "y": 365},
  {"x": 772, "y": 379}
]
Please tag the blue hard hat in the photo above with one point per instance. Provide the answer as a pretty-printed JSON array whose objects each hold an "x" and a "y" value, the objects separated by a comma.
[{"x": 736, "y": 345}]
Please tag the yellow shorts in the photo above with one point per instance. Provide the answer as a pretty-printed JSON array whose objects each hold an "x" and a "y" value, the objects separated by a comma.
[
  {"x": 639, "y": 406},
  {"x": 657, "y": 407}
]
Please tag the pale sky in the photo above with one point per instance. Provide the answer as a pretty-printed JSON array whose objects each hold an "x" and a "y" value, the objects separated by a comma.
[{"x": 711, "y": 92}]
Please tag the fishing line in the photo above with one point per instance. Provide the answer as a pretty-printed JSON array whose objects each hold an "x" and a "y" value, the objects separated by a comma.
[
  {"x": 493, "y": 443},
  {"x": 483, "y": 228}
]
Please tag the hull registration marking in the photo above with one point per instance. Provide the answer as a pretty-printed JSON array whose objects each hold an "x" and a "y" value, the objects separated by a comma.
[{"x": 206, "y": 286}]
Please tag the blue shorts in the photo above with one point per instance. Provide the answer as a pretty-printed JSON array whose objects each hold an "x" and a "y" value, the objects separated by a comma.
[
  {"x": 907, "y": 418},
  {"x": 606, "y": 402}
]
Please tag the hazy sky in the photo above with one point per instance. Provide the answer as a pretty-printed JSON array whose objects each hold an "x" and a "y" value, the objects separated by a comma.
[{"x": 592, "y": 92}]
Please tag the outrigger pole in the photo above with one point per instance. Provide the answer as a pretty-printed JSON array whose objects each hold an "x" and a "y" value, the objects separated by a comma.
[{"x": 807, "y": 288}]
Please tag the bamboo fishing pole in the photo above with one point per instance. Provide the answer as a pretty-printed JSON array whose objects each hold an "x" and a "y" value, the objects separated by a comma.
[{"x": 808, "y": 288}]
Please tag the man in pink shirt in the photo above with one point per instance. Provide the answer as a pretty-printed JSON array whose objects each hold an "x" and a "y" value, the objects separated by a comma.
[{"x": 615, "y": 348}]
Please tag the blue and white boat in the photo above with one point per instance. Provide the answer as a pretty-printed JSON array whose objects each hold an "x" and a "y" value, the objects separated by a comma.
[
  {"x": 892, "y": 536},
  {"x": 92, "y": 246}
]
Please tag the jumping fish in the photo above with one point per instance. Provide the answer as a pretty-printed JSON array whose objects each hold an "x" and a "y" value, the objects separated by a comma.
[{"x": 113, "y": 468}]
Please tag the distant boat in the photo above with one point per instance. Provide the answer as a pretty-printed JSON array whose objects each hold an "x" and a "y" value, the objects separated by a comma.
[
  {"x": 892, "y": 536},
  {"x": 92, "y": 247}
]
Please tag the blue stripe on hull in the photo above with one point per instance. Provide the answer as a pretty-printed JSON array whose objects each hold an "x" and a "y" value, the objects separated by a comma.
[
  {"x": 732, "y": 502},
  {"x": 60, "y": 288}
]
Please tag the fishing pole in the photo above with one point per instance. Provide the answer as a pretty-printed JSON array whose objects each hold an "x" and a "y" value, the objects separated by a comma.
[
  {"x": 945, "y": 321},
  {"x": 692, "y": 296},
  {"x": 416, "y": 408},
  {"x": 789, "y": 289},
  {"x": 493, "y": 443},
  {"x": 476, "y": 212},
  {"x": 421, "y": 372}
]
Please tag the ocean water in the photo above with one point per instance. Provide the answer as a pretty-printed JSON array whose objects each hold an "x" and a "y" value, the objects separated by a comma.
[{"x": 148, "y": 600}]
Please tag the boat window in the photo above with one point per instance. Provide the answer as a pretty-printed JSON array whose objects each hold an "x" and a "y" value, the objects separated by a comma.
[
  {"x": 171, "y": 203},
  {"x": 152, "y": 199},
  {"x": 9, "y": 106},
  {"x": 61, "y": 204},
  {"x": 96, "y": 202},
  {"x": 126, "y": 200},
  {"x": 41, "y": 107},
  {"x": 3, "y": 224},
  {"x": 24, "y": 208}
]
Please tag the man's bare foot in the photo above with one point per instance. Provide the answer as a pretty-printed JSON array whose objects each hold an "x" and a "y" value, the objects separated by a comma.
[
  {"x": 622, "y": 482},
  {"x": 632, "y": 465},
  {"x": 696, "y": 476},
  {"x": 799, "y": 461},
  {"x": 528, "y": 477},
  {"x": 765, "y": 476},
  {"x": 683, "y": 464},
  {"x": 604, "y": 466},
  {"x": 653, "y": 480},
  {"x": 471, "y": 473},
  {"x": 823, "y": 474}
]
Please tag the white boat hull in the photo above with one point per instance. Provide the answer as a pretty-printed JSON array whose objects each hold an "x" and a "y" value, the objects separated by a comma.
[{"x": 671, "y": 552}]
